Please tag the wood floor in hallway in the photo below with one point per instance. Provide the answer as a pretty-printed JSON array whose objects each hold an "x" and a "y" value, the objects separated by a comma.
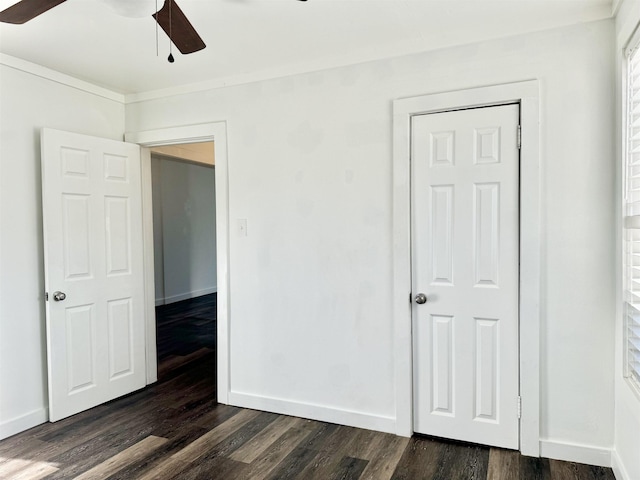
[{"x": 174, "y": 429}]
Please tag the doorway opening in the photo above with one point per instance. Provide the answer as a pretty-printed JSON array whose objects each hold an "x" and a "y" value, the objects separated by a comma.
[
  {"x": 189, "y": 134},
  {"x": 184, "y": 245}
]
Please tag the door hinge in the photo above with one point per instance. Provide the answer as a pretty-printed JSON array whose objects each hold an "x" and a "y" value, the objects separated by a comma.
[
  {"x": 519, "y": 136},
  {"x": 46, "y": 296},
  {"x": 519, "y": 406}
]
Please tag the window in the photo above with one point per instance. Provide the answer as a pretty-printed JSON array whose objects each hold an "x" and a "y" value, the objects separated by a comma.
[{"x": 632, "y": 216}]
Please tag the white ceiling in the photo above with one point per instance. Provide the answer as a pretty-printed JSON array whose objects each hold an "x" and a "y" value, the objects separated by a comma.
[{"x": 251, "y": 39}]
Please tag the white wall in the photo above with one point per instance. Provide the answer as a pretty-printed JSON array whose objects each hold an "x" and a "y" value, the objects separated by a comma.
[
  {"x": 27, "y": 103},
  {"x": 626, "y": 459},
  {"x": 184, "y": 229},
  {"x": 310, "y": 169}
]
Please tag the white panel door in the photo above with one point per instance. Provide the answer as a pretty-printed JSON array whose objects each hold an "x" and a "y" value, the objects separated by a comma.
[
  {"x": 465, "y": 262},
  {"x": 92, "y": 211}
]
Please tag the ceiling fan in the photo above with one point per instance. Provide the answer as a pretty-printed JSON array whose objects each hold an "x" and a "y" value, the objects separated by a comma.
[{"x": 170, "y": 17}]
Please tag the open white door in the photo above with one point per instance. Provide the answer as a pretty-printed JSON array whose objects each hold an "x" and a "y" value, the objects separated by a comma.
[
  {"x": 465, "y": 217},
  {"x": 92, "y": 211}
]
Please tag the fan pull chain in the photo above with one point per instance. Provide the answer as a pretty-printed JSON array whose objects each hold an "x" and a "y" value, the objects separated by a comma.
[
  {"x": 157, "y": 50},
  {"x": 171, "y": 59}
]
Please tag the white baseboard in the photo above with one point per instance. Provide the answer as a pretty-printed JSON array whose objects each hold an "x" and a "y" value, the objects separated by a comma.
[
  {"x": 24, "y": 422},
  {"x": 618, "y": 467},
  {"x": 314, "y": 412},
  {"x": 185, "y": 296},
  {"x": 573, "y": 452}
]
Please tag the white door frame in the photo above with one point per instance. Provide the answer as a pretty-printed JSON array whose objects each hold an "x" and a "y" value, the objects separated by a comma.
[
  {"x": 527, "y": 95},
  {"x": 216, "y": 132}
]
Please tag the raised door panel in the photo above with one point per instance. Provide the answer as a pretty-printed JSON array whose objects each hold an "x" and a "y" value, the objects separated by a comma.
[
  {"x": 486, "y": 240},
  {"x": 118, "y": 235},
  {"x": 76, "y": 220},
  {"x": 487, "y": 376},
  {"x": 81, "y": 348},
  {"x": 442, "y": 365},
  {"x": 442, "y": 198},
  {"x": 121, "y": 354}
]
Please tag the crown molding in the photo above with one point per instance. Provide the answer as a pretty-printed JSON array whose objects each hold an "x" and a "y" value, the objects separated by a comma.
[{"x": 58, "y": 77}]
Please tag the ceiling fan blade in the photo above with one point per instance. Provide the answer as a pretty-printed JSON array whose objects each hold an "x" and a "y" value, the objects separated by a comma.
[
  {"x": 179, "y": 29},
  {"x": 25, "y": 10}
]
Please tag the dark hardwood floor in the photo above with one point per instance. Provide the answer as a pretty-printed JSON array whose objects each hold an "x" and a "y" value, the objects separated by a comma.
[
  {"x": 185, "y": 327},
  {"x": 175, "y": 430}
]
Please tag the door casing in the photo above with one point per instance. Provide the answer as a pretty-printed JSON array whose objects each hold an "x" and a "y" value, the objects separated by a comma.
[
  {"x": 525, "y": 93},
  {"x": 216, "y": 132}
]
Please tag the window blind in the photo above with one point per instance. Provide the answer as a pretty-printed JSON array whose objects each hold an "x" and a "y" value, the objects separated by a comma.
[{"x": 632, "y": 218}]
